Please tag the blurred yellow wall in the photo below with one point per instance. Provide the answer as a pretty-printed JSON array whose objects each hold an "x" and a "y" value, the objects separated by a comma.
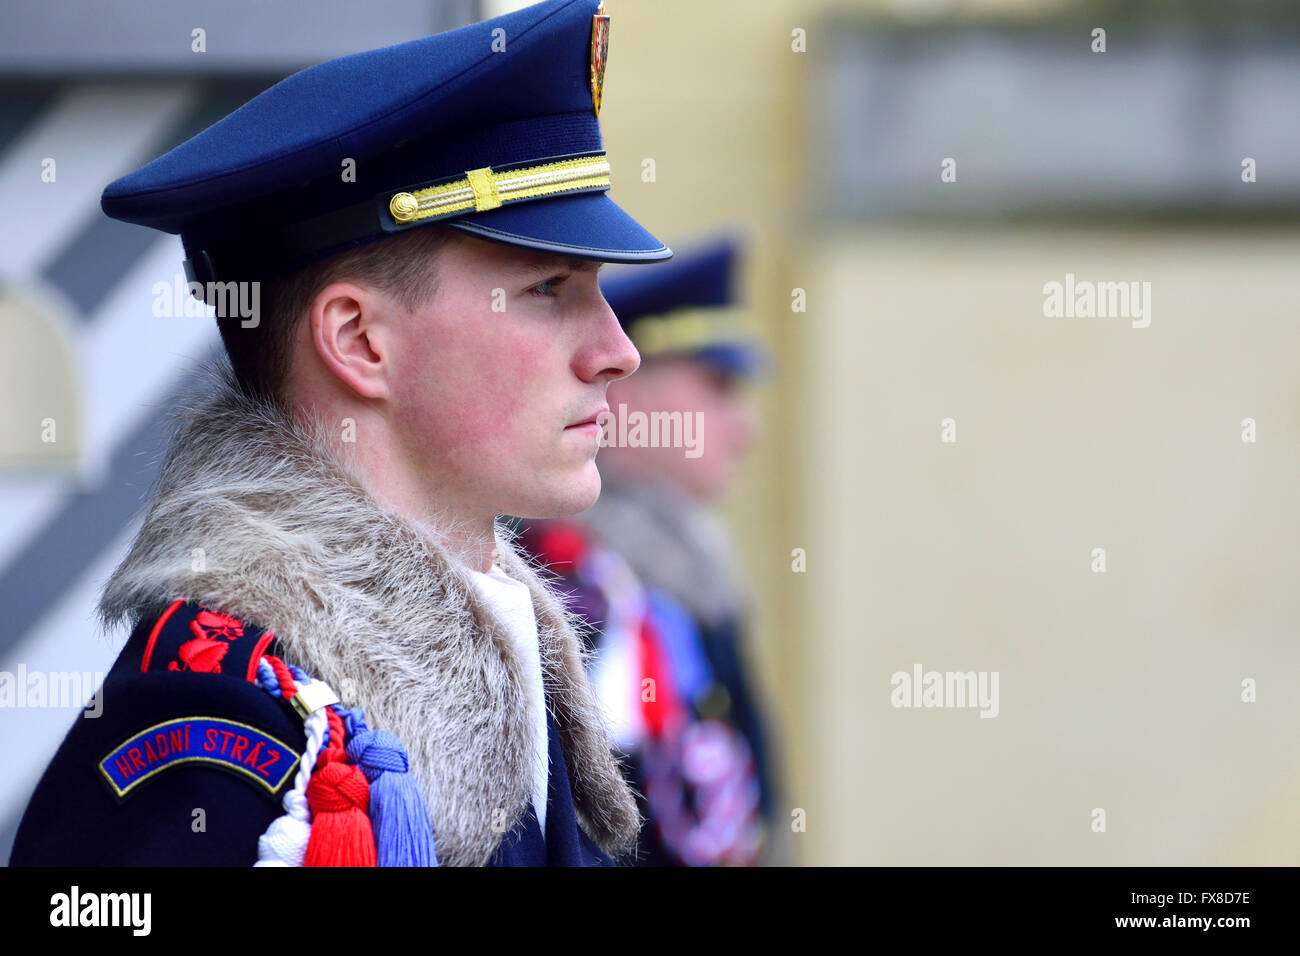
[{"x": 1119, "y": 690}]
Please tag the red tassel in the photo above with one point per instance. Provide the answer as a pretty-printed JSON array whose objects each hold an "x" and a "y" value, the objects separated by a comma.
[{"x": 339, "y": 798}]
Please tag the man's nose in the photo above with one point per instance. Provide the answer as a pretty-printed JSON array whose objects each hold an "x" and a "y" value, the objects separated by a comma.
[{"x": 610, "y": 355}]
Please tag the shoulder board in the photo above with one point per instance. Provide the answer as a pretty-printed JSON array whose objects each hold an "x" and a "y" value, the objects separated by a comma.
[{"x": 190, "y": 638}]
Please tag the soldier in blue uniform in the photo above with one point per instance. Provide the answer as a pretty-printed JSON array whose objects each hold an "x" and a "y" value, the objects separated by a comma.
[
  {"x": 648, "y": 566},
  {"x": 336, "y": 655}
]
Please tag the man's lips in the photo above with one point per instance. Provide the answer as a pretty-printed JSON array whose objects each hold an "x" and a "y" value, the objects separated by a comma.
[{"x": 591, "y": 419}]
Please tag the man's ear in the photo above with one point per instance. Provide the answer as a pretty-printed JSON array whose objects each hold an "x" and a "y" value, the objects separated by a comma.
[{"x": 350, "y": 332}]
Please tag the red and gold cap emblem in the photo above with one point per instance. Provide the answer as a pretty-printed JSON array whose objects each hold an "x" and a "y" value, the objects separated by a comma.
[{"x": 599, "y": 54}]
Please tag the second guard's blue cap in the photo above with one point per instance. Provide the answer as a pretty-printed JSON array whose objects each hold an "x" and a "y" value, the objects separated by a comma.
[
  {"x": 491, "y": 129},
  {"x": 689, "y": 307}
]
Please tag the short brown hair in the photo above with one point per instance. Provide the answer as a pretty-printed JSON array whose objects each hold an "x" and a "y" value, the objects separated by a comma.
[{"x": 403, "y": 266}]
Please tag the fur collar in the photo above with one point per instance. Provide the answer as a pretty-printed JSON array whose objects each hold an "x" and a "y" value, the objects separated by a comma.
[{"x": 376, "y": 606}]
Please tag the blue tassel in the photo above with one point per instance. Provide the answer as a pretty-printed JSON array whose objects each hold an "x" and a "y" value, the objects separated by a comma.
[{"x": 398, "y": 815}]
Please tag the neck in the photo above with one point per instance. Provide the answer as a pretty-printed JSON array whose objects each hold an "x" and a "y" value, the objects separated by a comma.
[
  {"x": 468, "y": 536},
  {"x": 401, "y": 488}
]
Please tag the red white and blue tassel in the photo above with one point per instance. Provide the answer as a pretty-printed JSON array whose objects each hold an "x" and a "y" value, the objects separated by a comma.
[
  {"x": 353, "y": 801},
  {"x": 285, "y": 841}
]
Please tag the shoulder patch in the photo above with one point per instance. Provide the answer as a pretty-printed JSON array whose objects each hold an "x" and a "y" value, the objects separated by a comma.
[
  {"x": 216, "y": 741},
  {"x": 191, "y": 638}
]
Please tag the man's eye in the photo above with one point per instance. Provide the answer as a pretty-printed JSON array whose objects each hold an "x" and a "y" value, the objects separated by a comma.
[{"x": 548, "y": 289}]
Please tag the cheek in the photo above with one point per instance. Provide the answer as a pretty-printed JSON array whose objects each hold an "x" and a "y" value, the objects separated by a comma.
[
  {"x": 505, "y": 397},
  {"x": 472, "y": 385}
]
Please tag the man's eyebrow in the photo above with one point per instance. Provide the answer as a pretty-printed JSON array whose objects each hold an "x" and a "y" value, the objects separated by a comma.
[{"x": 552, "y": 265}]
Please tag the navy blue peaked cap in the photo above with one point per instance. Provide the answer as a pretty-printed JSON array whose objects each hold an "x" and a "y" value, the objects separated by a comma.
[
  {"x": 491, "y": 128},
  {"x": 689, "y": 306}
]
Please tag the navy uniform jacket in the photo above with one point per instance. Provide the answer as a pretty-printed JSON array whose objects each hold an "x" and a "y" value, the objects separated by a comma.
[
  {"x": 186, "y": 766},
  {"x": 565, "y": 844}
]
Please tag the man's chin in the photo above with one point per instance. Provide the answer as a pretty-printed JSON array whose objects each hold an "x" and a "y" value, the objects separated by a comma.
[{"x": 569, "y": 497}]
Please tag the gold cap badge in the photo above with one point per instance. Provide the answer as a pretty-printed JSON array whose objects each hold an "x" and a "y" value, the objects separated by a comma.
[{"x": 599, "y": 54}]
